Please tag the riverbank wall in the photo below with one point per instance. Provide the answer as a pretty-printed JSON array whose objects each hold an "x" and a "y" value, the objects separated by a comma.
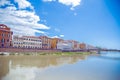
[{"x": 27, "y": 50}]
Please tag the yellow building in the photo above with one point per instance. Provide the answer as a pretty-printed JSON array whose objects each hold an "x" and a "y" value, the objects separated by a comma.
[
  {"x": 54, "y": 42},
  {"x": 46, "y": 42}
]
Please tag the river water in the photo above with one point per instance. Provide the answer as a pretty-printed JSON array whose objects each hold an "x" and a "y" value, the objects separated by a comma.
[{"x": 105, "y": 66}]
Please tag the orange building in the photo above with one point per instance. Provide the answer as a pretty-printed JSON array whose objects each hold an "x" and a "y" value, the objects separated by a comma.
[
  {"x": 5, "y": 36},
  {"x": 46, "y": 42},
  {"x": 76, "y": 45},
  {"x": 54, "y": 42},
  {"x": 82, "y": 46}
]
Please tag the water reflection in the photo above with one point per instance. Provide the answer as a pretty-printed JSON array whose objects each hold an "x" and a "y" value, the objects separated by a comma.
[
  {"x": 59, "y": 68},
  {"x": 14, "y": 65},
  {"x": 111, "y": 54}
]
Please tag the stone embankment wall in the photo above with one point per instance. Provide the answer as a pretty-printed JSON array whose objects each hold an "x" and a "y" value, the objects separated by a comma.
[{"x": 26, "y": 50}]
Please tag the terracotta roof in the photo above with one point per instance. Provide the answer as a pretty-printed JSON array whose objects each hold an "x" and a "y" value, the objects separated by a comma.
[{"x": 3, "y": 25}]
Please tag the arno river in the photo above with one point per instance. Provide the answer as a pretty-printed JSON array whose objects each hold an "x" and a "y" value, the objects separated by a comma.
[{"x": 105, "y": 66}]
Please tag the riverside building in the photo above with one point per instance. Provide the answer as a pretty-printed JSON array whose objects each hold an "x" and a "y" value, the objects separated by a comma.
[
  {"x": 90, "y": 47},
  {"x": 46, "y": 42},
  {"x": 83, "y": 46},
  {"x": 65, "y": 45},
  {"x": 5, "y": 36},
  {"x": 75, "y": 44},
  {"x": 27, "y": 42},
  {"x": 54, "y": 42}
]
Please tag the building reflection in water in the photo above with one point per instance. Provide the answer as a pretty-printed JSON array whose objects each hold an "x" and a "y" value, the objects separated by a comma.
[
  {"x": 4, "y": 66},
  {"x": 28, "y": 67},
  {"x": 98, "y": 67}
]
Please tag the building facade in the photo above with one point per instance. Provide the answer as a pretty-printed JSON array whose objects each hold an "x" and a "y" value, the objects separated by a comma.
[
  {"x": 46, "y": 42},
  {"x": 90, "y": 47},
  {"x": 54, "y": 42},
  {"x": 27, "y": 42},
  {"x": 5, "y": 36},
  {"x": 83, "y": 46},
  {"x": 75, "y": 44},
  {"x": 65, "y": 45}
]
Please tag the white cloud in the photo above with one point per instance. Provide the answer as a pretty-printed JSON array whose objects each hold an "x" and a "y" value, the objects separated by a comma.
[
  {"x": 4, "y": 2},
  {"x": 72, "y": 3},
  {"x": 61, "y": 35},
  {"x": 23, "y": 4},
  {"x": 48, "y": 0},
  {"x": 21, "y": 21},
  {"x": 55, "y": 37}
]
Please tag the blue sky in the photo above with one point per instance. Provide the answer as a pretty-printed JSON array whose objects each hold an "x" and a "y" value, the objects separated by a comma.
[{"x": 96, "y": 22}]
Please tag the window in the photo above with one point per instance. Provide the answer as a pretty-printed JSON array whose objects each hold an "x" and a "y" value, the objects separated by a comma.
[
  {"x": 2, "y": 45},
  {"x": 8, "y": 35},
  {"x": 8, "y": 40},
  {"x": 2, "y": 34},
  {"x": 2, "y": 40}
]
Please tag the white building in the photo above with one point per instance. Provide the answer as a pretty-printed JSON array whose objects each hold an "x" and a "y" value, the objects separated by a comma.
[
  {"x": 65, "y": 45},
  {"x": 27, "y": 42},
  {"x": 90, "y": 47},
  {"x": 75, "y": 44}
]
